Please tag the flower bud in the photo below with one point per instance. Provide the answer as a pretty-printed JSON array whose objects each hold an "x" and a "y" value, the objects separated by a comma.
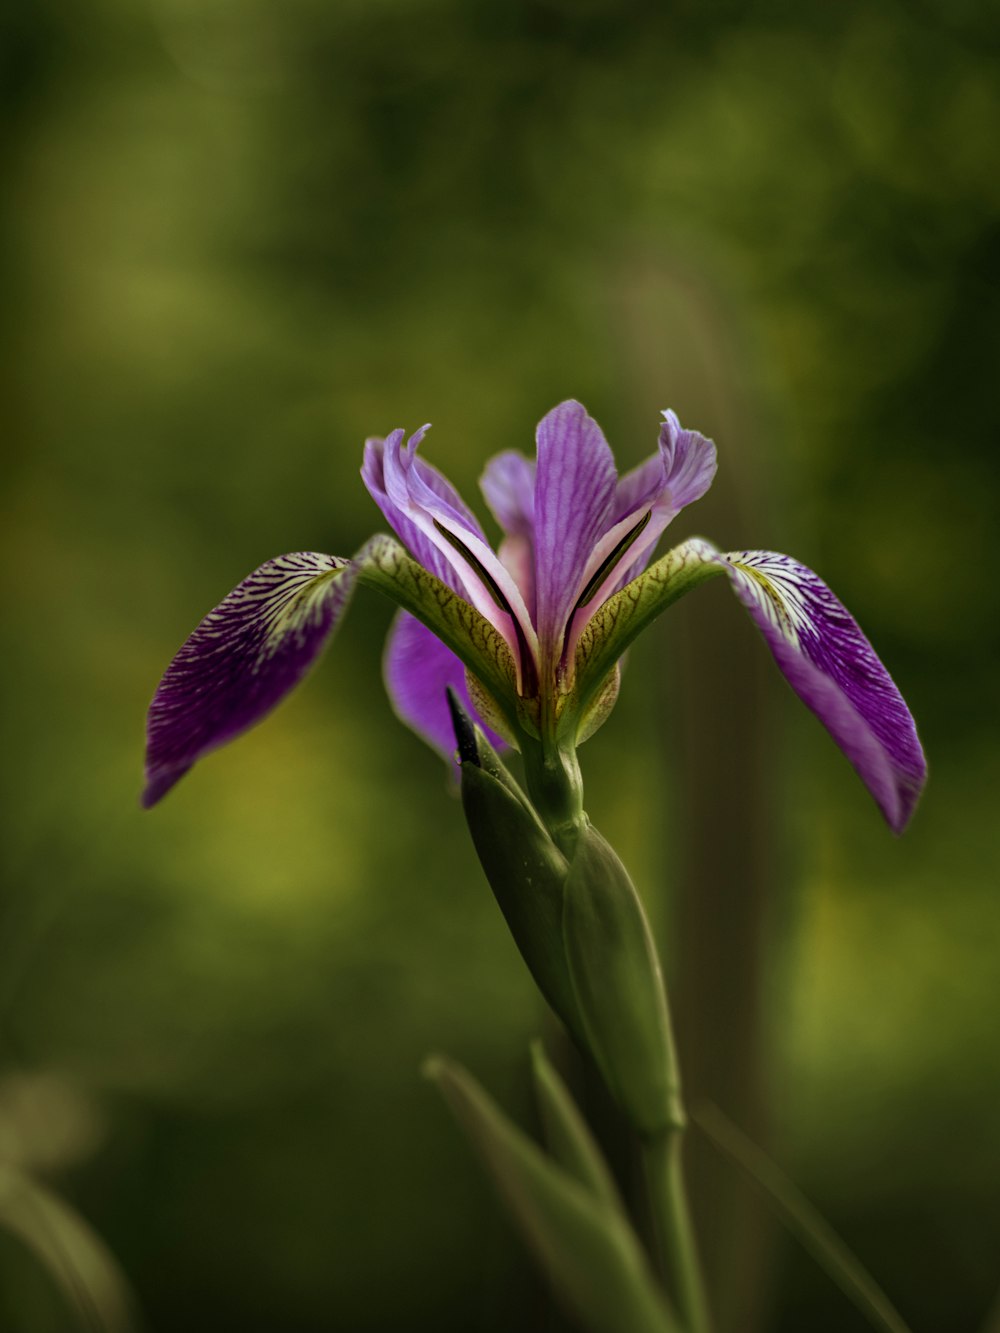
[
  {"x": 618, "y": 987},
  {"x": 524, "y": 867}
]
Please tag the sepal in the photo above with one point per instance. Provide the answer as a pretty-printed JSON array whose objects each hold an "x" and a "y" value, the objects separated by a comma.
[
  {"x": 586, "y": 1248},
  {"x": 829, "y": 663},
  {"x": 242, "y": 660}
]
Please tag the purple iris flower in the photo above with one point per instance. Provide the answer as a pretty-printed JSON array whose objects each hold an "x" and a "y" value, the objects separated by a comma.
[{"x": 529, "y": 636}]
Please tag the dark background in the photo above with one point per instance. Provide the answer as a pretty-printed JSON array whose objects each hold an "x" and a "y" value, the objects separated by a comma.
[{"x": 240, "y": 236}]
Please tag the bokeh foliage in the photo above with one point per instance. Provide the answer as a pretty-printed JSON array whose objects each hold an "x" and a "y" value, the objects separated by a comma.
[{"x": 238, "y": 237}]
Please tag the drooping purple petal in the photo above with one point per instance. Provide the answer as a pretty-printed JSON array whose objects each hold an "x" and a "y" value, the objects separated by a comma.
[
  {"x": 574, "y": 492},
  {"x": 418, "y": 669},
  {"x": 242, "y": 660},
  {"x": 418, "y": 500},
  {"x": 835, "y": 671},
  {"x": 508, "y": 483}
]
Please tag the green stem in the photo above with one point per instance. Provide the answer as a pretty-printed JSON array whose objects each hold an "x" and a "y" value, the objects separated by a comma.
[
  {"x": 678, "y": 1250},
  {"x": 552, "y": 776}
]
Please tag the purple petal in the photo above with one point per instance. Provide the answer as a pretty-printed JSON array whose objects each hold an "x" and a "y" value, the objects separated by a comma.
[
  {"x": 687, "y": 468},
  {"x": 834, "y": 670},
  {"x": 418, "y": 669},
  {"x": 440, "y": 530},
  {"x": 574, "y": 493},
  {"x": 689, "y": 460},
  {"x": 508, "y": 484},
  {"x": 373, "y": 475},
  {"x": 242, "y": 660},
  {"x": 651, "y": 495}
]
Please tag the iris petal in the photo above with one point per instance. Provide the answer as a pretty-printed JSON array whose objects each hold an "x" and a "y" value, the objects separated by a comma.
[
  {"x": 418, "y": 670},
  {"x": 373, "y": 473},
  {"x": 574, "y": 493},
  {"x": 430, "y": 517},
  {"x": 647, "y": 499},
  {"x": 242, "y": 660},
  {"x": 508, "y": 483},
  {"x": 835, "y": 671}
]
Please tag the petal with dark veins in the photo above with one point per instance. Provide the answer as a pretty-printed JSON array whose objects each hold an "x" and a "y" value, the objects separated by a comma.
[
  {"x": 242, "y": 660},
  {"x": 835, "y": 671}
]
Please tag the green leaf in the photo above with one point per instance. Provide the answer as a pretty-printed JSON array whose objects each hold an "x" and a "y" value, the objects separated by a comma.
[
  {"x": 625, "y": 615},
  {"x": 75, "y": 1257},
  {"x": 802, "y": 1220},
  {"x": 384, "y": 565},
  {"x": 589, "y": 1253},
  {"x": 619, "y": 987},
  {"x": 569, "y": 1140}
]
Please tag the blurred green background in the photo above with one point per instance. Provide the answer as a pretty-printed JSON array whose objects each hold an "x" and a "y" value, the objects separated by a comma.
[{"x": 238, "y": 237}]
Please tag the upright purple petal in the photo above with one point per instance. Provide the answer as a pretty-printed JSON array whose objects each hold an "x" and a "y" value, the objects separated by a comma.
[
  {"x": 440, "y": 530},
  {"x": 689, "y": 460},
  {"x": 647, "y": 499},
  {"x": 242, "y": 660},
  {"x": 834, "y": 670},
  {"x": 574, "y": 494},
  {"x": 688, "y": 465},
  {"x": 419, "y": 545},
  {"x": 508, "y": 484},
  {"x": 418, "y": 669}
]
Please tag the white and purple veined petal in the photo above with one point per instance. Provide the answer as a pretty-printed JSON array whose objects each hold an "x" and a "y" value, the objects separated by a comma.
[
  {"x": 835, "y": 671},
  {"x": 647, "y": 499},
  {"x": 419, "y": 670},
  {"x": 435, "y": 523},
  {"x": 508, "y": 483},
  {"x": 242, "y": 660},
  {"x": 413, "y": 537}
]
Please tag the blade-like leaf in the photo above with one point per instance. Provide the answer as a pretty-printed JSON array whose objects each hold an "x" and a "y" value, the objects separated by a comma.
[
  {"x": 802, "y": 1220},
  {"x": 74, "y": 1256},
  {"x": 569, "y": 1140},
  {"x": 590, "y": 1255}
]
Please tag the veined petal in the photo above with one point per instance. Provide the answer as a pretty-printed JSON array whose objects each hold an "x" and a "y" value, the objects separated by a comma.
[
  {"x": 689, "y": 460},
  {"x": 242, "y": 660},
  {"x": 418, "y": 670},
  {"x": 647, "y": 499},
  {"x": 835, "y": 671},
  {"x": 413, "y": 496},
  {"x": 508, "y": 483},
  {"x": 574, "y": 494},
  {"x": 384, "y": 565},
  {"x": 373, "y": 475}
]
